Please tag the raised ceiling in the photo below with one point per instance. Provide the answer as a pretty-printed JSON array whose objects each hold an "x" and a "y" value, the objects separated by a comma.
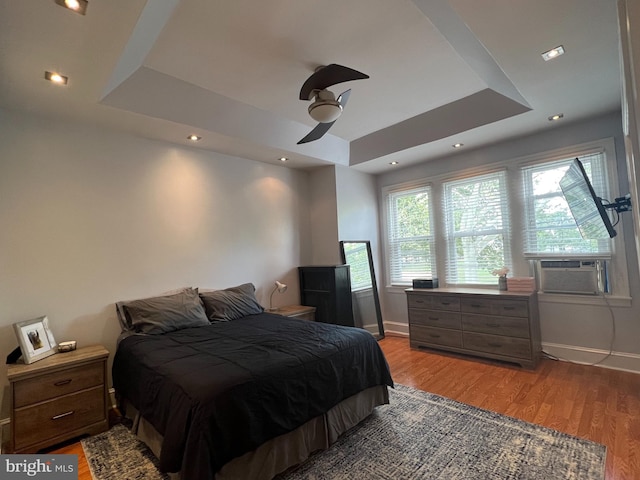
[{"x": 441, "y": 71}]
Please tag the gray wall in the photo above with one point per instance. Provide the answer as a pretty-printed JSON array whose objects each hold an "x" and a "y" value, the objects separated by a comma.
[
  {"x": 572, "y": 331},
  {"x": 91, "y": 217}
]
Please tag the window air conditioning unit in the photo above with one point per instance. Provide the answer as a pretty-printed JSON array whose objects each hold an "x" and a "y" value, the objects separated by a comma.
[{"x": 569, "y": 276}]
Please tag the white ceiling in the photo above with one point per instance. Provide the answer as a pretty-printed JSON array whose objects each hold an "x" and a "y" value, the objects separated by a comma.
[{"x": 441, "y": 71}]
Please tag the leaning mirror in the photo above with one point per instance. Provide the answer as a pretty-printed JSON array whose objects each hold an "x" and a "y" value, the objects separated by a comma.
[{"x": 364, "y": 290}]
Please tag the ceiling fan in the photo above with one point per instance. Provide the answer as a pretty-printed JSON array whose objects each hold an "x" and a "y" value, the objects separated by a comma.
[{"x": 326, "y": 108}]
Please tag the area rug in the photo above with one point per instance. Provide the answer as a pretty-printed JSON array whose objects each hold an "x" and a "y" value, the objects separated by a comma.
[{"x": 417, "y": 436}]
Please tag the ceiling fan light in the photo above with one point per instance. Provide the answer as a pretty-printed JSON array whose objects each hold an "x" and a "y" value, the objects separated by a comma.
[{"x": 325, "y": 111}]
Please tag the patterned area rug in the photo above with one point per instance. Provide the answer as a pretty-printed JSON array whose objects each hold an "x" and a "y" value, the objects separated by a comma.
[{"x": 418, "y": 436}]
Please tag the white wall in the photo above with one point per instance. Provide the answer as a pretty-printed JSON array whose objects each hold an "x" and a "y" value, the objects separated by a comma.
[
  {"x": 580, "y": 333},
  {"x": 90, "y": 217},
  {"x": 325, "y": 249}
]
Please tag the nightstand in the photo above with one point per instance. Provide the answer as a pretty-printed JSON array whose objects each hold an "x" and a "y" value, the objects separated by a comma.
[
  {"x": 298, "y": 311},
  {"x": 60, "y": 397}
]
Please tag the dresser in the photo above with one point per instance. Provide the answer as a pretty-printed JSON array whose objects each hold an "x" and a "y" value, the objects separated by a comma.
[
  {"x": 486, "y": 323},
  {"x": 60, "y": 397},
  {"x": 328, "y": 288}
]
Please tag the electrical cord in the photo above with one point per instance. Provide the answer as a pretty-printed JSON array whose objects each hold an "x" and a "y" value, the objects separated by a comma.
[{"x": 613, "y": 338}]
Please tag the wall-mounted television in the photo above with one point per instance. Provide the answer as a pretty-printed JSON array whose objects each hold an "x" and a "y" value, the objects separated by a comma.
[{"x": 587, "y": 208}]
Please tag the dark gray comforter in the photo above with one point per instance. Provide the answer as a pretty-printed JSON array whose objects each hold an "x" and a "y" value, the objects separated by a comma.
[{"x": 218, "y": 391}]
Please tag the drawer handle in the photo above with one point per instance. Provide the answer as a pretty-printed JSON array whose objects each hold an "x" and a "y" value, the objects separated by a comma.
[
  {"x": 445, "y": 303},
  {"x": 434, "y": 318},
  {"x": 62, "y": 382},
  {"x": 509, "y": 308},
  {"x": 493, "y": 325},
  {"x": 62, "y": 415},
  {"x": 419, "y": 301},
  {"x": 497, "y": 345},
  {"x": 433, "y": 335},
  {"x": 475, "y": 305}
]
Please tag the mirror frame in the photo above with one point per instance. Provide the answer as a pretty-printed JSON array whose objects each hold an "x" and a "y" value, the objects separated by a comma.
[{"x": 374, "y": 285}]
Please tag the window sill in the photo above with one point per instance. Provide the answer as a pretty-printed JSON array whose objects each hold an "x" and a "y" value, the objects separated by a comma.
[{"x": 613, "y": 301}]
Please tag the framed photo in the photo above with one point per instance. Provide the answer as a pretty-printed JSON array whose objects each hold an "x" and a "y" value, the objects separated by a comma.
[{"x": 35, "y": 339}]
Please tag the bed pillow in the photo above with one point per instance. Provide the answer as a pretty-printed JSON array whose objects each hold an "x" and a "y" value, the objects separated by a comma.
[
  {"x": 165, "y": 313},
  {"x": 230, "y": 303}
]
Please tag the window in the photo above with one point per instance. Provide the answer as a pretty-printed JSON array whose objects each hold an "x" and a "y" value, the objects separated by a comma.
[
  {"x": 477, "y": 233},
  {"x": 409, "y": 235},
  {"x": 549, "y": 227}
]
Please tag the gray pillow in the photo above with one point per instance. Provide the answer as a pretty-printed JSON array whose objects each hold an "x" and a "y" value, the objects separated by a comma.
[
  {"x": 166, "y": 313},
  {"x": 230, "y": 303}
]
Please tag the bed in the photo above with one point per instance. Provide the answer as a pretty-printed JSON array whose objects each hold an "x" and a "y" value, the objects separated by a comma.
[{"x": 242, "y": 393}]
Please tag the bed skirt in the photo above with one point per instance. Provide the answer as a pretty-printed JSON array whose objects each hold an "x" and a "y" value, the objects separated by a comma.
[{"x": 285, "y": 451}]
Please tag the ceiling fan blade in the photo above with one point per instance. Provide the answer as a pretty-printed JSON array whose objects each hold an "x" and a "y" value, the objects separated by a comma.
[
  {"x": 317, "y": 132},
  {"x": 324, "y": 77},
  {"x": 343, "y": 98}
]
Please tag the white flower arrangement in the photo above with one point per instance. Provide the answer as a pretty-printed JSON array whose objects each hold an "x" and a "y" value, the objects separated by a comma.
[{"x": 502, "y": 272}]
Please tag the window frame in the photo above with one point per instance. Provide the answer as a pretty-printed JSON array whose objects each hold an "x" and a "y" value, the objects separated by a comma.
[
  {"x": 451, "y": 235},
  {"x": 387, "y": 193}
]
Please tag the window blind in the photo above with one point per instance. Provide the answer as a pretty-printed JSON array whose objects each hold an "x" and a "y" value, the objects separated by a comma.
[
  {"x": 477, "y": 228},
  {"x": 409, "y": 235}
]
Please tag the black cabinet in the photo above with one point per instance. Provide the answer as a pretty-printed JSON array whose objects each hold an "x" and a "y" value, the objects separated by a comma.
[{"x": 328, "y": 288}]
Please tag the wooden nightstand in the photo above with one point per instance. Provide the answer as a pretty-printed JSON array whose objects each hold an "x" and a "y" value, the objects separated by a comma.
[
  {"x": 58, "y": 398},
  {"x": 298, "y": 311}
]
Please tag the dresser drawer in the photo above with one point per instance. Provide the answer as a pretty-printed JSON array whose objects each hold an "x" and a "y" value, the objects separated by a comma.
[
  {"x": 419, "y": 301},
  {"x": 435, "y": 318},
  {"x": 446, "y": 303},
  {"x": 507, "y": 326},
  {"x": 435, "y": 336},
  {"x": 55, "y": 384},
  {"x": 59, "y": 416},
  {"x": 508, "y": 346},
  {"x": 512, "y": 308}
]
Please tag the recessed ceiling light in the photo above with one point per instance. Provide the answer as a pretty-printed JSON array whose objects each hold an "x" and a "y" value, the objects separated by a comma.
[
  {"x": 56, "y": 78},
  {"x": 555, "y": 117},
  {"x": 553, "y": 53},
  {"x": 283, "y": 159},
  {"x": 78, "y": 6},
  {"x": 194, "y": 138},
  {"x": 457, "y": 145},
  {"x": 394, "y": 163}
]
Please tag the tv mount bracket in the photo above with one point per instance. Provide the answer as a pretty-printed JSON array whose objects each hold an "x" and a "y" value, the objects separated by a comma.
[{"x": 620, "y": 204}]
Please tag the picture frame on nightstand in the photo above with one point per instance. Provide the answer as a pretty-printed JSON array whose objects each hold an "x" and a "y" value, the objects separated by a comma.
[{"x": 35, "y": 339}]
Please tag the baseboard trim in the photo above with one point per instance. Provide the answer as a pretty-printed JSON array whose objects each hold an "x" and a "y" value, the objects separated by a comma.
[
  {"x": 397, "y": 328},
  {"x": 627, "y": 362}
]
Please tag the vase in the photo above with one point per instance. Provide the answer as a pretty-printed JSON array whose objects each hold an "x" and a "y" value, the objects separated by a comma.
[{"x": 502, "y": 283}]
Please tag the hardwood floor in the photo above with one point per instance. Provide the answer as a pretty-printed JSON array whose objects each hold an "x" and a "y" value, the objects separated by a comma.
[{"x": 590, "y": 402}]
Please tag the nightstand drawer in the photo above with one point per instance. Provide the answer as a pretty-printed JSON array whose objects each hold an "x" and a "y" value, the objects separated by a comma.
[
  {"x": 55, "y": 384},
  {"x": 59, "y": 416}
]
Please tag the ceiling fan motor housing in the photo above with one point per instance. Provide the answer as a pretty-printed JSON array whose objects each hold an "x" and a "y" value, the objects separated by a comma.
[{"x": 325, "y": 109}]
